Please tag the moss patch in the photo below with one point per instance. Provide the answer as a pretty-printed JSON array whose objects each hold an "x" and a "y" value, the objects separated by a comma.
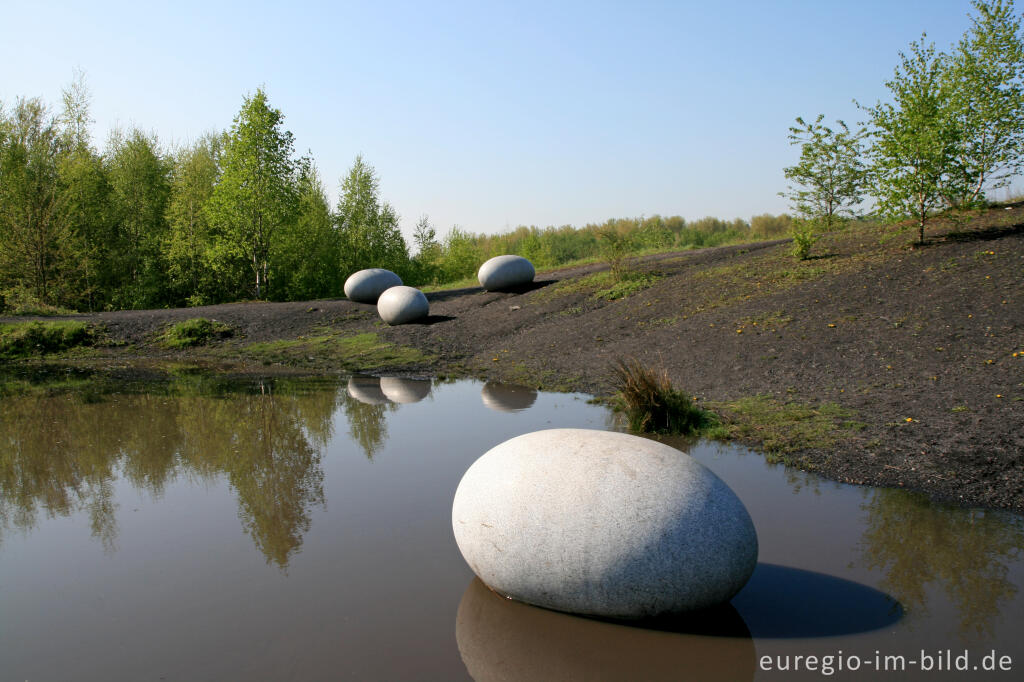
[
  {"x": 783, "y": 428},
  {"x": 355, "y": 352},
  {"x": 19, "y": 339},
  {"x": 197, "y": 331}
]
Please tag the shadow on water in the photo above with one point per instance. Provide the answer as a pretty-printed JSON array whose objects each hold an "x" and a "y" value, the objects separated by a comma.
[
  {"x": 781, "y": 602},
  {"x": 501, "y": 639}
]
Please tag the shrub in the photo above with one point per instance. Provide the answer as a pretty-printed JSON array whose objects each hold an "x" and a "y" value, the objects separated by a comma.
[
  {"x": 804, "y": 238},
  {"x": 652, "y": 405}
]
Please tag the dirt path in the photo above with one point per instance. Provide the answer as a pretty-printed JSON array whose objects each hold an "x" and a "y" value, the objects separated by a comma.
[{"x": 872, "y": 363}]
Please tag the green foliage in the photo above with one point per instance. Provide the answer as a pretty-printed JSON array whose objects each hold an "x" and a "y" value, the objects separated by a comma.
[
  {"x": 955, "y": 126},
  {"x": 616, "y": 250},
  {"x": 197, "y": 331},
  {"x": 308, "y": 251},
  {"x": 460, "y": 256},
  {"x": 830, "y": 175},
  {"x": 139, "y": 191},
  {"x": 986, "y": 105},
  {"x": 652, "y": 405},
  {"x": 255, "y": 196},
  {"x": 368, "y": 230},
  {"x": 190, "y": 235},
  {"x": 26, "y": 338},
  {"x": 36, "y": 241},
  {"x": 913, "y": 143}
]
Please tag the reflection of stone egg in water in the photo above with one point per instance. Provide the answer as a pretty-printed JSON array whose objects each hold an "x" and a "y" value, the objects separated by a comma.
[
  {"x": 366, "y": 286},
  {"x": 507, "y": 397},
  {"x": 366, "y": 389},
  {"x": 401, "y": 390},
  {"x": 602, "y": 523},
  {"x": 501, "y": 639},
  {"x": 505, "y": 272}
]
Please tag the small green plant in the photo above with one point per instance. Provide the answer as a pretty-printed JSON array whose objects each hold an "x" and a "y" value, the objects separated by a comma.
[
  {"x": 617, "y": 250},
  {"x": 197, "y": 331},
  {"x": 652, "y": 405},
  {"x": 25, "y": 338},
  {"x": 804, "y": 237}
]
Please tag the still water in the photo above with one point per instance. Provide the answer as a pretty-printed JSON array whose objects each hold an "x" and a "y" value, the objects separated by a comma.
[{"x": 295, "y": 530}]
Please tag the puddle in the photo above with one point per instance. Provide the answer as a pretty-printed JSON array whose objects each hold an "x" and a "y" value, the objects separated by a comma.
[{"x": 283, "y": 529}]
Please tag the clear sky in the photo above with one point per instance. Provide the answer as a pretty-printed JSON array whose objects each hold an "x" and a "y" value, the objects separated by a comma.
[{"x": 491, "y": 115}]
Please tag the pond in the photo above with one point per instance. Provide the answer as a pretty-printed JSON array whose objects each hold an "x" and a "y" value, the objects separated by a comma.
[{"x": 199, "y": 529}]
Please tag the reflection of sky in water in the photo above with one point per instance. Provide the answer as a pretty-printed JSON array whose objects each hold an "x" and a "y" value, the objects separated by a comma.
[{"x": 120, "y": 545}]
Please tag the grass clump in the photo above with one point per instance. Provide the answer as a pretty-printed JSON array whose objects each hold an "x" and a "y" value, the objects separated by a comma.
[
  {"x": 652, "y": 405},
  {"x": 197, "y": 331},
  {"x": 25, "y": 338}
]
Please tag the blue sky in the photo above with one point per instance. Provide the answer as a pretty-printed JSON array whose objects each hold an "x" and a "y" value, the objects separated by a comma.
[{"x": 491, "y": 115}]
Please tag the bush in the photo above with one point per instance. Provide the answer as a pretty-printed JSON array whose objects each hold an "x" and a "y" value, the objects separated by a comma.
[
  {"x": 652, "y": 405},
  {"x": 197, "y": 331},
  {"x": 804, "y": 238}
]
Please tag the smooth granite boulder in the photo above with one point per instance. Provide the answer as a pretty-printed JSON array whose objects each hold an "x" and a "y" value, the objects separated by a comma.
[
  {"x": 399, "y": 305},
  {"x": 400, "y": 390},
  {"x": 507, "y": 397},
  {"x": 366, "y": 286},
  {"x": 603, "y": 524},
  {"x": 505, "y": 272},
  {"x": 366, "y": 389}
]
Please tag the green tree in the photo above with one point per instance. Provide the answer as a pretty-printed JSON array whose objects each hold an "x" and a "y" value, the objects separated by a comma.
[
  {"x": 829, "y": 178},
  {"x": 986, "y": 104},
  {"x": 36, "y": 257},
  {"x": 85, "y": 199},
  {"x": 913, "y": 141},
  {"x": 425, "y": 264},
  {"x": 140, "y": 188},
  {"x": 308, "y": 250},
  {"x": 368, "y": 230},
  {"x": 190, "y": 236},
  {"x": 255, "y": 195},
  {"x": 460, "y": 255}
]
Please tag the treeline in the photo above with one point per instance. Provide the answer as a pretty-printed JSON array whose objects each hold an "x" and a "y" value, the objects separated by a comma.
[
  {"x": 459, "y": 254},
  {"x": 234, "y": 216}
]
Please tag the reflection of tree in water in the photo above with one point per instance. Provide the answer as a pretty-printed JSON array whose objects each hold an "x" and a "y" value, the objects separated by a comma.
[
  {"x": 367, "y": 424},
  {"x": 60, "y": 455},
  {"x": 966, "y": 552}
]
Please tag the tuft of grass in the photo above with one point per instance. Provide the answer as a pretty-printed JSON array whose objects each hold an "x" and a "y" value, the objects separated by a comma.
[
  {"x": 652, "y": 405},
  {"x": 197, "y": 331},
  {"x": 25, "y": 338}
]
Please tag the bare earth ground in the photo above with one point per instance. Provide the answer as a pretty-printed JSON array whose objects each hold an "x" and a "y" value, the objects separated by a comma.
[{"x": 906, "y": 353}]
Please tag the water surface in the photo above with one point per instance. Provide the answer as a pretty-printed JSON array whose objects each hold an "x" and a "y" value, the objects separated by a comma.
[{"x": 293, "y": 530}]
